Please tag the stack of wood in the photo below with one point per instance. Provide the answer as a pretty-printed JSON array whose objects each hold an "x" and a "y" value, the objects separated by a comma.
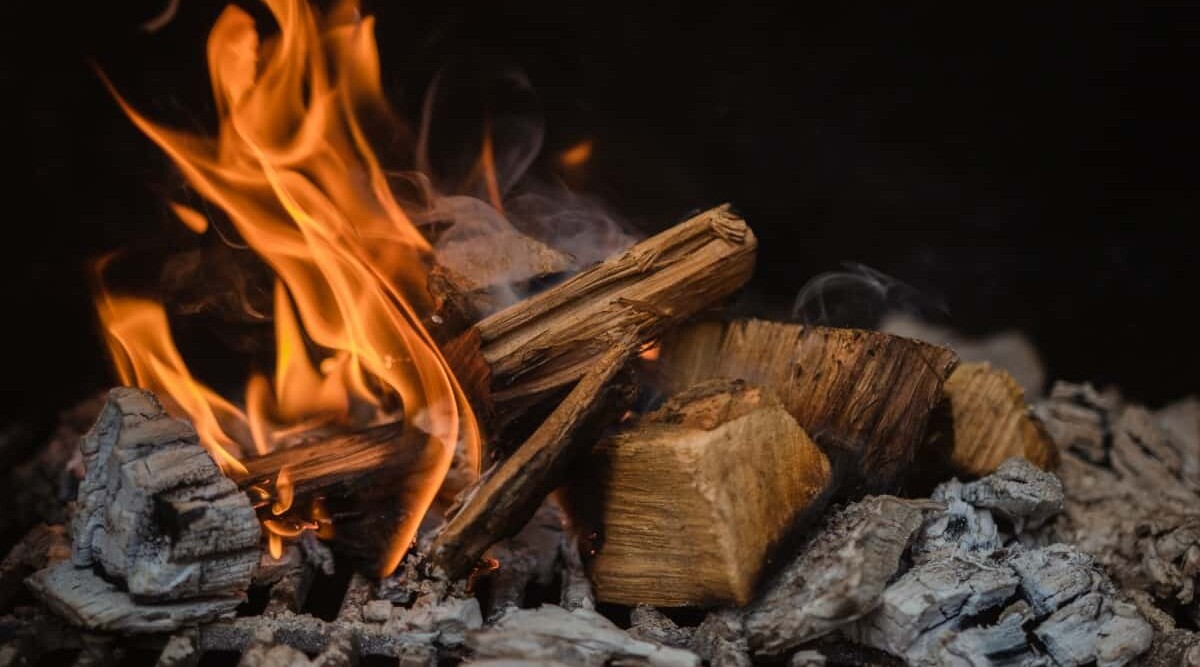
[{"x": 763, "y": 423}]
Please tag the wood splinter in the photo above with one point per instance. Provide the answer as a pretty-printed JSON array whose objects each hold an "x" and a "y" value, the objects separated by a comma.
[{"x": 508, "y": 494}]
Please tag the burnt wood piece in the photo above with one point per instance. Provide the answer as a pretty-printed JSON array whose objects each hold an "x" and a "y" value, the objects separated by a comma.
[
  {"x": 1132, "y": 498},
  {"x": 838, "y": 576},
  {"x": 580, "y": 637},
  {"x": 552, "y": 339},
  {"x": 42, "y": 546},
  {"x": 864, "y": 396},
  {"x": 690, "y": 500},
  {"x": 156, "y": 512},
  {"x": 508, "y": 494},
  {"x": 84, "y": 599},
  {"x": 977, "y": 596},
  {"x": 990, "y": 422}
]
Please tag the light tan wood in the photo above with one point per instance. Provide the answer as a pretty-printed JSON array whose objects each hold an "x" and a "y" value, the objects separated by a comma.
[
  {"x": 552, "y": 339},
  {"x": 694, "y": 496},
  {"x": 864, "y": 396},
  {"x": 508, "y": 494},
  {"x": 990, "y": 422}
]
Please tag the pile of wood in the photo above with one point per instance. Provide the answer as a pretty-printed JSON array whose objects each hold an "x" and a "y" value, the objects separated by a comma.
[{"x": 648, "y": 454}]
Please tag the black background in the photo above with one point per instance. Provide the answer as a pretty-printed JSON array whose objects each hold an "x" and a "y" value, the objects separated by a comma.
[{"x": 1034, "y": 169}]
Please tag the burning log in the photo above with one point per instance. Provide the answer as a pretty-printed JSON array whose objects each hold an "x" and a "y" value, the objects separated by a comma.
[
  {"x": 990, "y": 422},
  {"x": 552, "y": 339},
  {"x": 689, "y": 500},
  {"x": 156, "y": 511},
  {"x": 864, "y": 396},
  {"x": 505, "y": 498}
]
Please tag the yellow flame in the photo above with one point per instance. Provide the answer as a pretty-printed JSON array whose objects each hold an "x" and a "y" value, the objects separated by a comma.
[{"x": 291, "y": 168}]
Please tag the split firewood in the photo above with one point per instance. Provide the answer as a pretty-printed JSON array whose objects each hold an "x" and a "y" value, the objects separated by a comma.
[
  {"x": 551, "y": 340},
  {"x": 990, "y": 422},
  {"x": 580, "y": 637},
  {"x": 508, "y": 494},
  {"x": 156, "y": 512},
  {"x": 838, "y": 577},
  {"x": 689, "y": 501},
  {"x": 864, "y": 396}
]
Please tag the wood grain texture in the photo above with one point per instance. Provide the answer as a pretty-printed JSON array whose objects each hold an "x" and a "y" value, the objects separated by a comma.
[
  {"x": 693, "y": 496},
  {"x": 990, "y": 422},
  {"x": 552, "y": 339},
  {"x": 865, "y": 396}
]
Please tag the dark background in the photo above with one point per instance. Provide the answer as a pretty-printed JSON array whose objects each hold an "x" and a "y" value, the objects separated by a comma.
[{"x": 1033, "y": 169}]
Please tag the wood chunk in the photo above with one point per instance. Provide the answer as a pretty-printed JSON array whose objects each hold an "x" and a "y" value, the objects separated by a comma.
[
  {"x": 577, "y": 590},
  {"x": 1078, "y": 418},
  {"x": 155, "y": 510},
  {"x": 1055, "y": 575},
  {"x": 1004, "y": 642},
  {"x": 508, "y": 494},
  {"x": 86, "y": 600},
  {"x": 1019, "y": 492},
  {"x": 864, "y": 396},
  {"x": 990, "y": 422},
  {"x": 581, "y": 637},
  {"x": 1095, "y": 629},
  {"x": 838, "y": 576},
  {"x": 930, "y": 602},
  {"x": 554, "y": 338},
  {"x": 689, "y": 500}
]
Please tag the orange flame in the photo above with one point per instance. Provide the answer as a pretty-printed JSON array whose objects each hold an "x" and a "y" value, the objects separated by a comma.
[
  {"x": 291, "y": 168},
  {"x": 577, "y": 155}
]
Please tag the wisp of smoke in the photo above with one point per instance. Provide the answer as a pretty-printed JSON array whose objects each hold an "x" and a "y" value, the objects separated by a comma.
[{"x": 859, "y": 297}]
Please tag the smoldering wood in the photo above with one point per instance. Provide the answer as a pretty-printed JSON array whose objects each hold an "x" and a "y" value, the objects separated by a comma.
[
  {"x": 580, "y": 637},
  {"x": 976, "y": 595},
  {"x": 1018, "y": 491},
  {"x": 837, "y": 577},
  {"x": 508, "y": 494},
  {"x": 552, "y": 339},
  {"x": 84, "y": 599},
  {"x": 721, "y": 473},
  {"x": 1131, "y": 501},
  {"x": 577, "y": 592},
  {"x": 155, "y": 511},
  {"x": 865, "y": 396},
  {"x": 991, "y": 422}
]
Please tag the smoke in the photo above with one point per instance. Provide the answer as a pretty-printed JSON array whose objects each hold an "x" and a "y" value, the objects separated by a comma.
[{"x": 860, "y": 297}]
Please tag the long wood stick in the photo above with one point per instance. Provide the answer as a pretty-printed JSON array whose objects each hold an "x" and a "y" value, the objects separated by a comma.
[
  {"x": 552, "y": 339},
  {"x": 507, "y": 495}
]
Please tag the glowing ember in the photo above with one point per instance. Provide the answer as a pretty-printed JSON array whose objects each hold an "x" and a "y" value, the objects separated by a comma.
[{"x": 291, "y": 168}]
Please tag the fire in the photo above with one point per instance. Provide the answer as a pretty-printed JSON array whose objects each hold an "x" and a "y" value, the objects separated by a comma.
[
  {"x": 291, "y": 168},
  {"x": 577, "y": 155}
]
